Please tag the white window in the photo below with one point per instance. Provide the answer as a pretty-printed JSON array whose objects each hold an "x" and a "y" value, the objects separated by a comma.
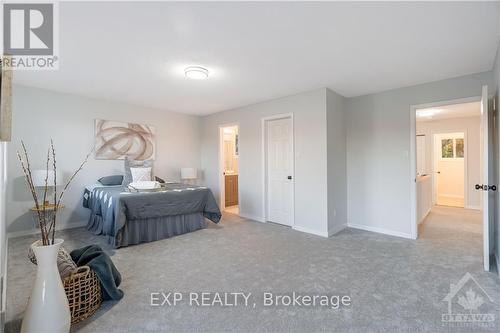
[{"x": 452, "y": 146}]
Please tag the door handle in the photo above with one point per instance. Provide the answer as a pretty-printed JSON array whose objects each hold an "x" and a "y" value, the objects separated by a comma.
[
  {"x": 289, "y": 177},
  {"x": 439, "y": 172},
  {"x": 486, "y": 187}
]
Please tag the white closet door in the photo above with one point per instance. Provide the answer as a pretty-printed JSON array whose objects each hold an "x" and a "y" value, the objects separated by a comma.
[{"x": 279, "y": 171}]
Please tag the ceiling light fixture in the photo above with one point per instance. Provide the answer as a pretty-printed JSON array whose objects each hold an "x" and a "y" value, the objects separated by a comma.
[{"x": 196, "y": 73}]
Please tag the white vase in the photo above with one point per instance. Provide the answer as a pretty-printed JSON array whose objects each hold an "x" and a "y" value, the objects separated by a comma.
[{"x": 48, "y": 308}]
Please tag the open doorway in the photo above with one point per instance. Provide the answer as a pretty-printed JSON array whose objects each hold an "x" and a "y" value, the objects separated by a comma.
[
  {"x": 448, "y": 161},
  {"x": 229, "y": 168},
  {"x": 451, "y": 152},
  {"x": 451, "y": 161}
]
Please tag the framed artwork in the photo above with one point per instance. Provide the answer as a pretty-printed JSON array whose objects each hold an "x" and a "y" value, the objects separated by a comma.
[{"x": 115, "y": 140}]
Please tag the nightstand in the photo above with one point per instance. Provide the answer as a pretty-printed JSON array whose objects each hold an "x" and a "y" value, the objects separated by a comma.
[{"x": 48, "y": 211}]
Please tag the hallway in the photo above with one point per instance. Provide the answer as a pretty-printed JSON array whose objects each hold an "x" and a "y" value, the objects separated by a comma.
[
  {"x": 454, "y": 235},
  {"x": 452, "y": 224}
]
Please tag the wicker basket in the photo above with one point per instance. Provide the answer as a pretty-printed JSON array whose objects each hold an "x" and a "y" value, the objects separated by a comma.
[{"x": 83, "y": 290}]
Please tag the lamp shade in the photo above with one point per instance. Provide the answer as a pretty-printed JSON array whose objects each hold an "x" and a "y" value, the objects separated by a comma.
[
  {"x": 40, "y": 175},
  {"x": 189, "y": 173}
]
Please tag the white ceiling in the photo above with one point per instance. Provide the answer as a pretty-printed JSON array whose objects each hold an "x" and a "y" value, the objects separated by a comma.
[
  {"x": 135, "y": 52},
  {"x": 449, "y": 111}
]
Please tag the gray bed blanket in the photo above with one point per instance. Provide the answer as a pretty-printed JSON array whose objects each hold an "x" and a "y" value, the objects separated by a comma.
[
  {"x": 176, "y": 199},
  {"x": 113, "y": 206}
]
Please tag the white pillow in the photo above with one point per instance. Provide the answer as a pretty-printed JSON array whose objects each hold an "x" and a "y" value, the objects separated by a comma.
[
  {"x": 141, "y": 174},
  {"x": 146, "y": 185}
]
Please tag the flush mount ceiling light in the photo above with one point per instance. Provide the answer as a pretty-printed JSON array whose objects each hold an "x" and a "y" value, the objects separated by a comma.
[{"x": 196, "y": 73}]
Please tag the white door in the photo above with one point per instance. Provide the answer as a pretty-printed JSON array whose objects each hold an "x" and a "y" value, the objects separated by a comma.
[
  {"x": 488, "y": 197},
  {"x": 280, "y": 171},
  {"x": 450, "y": 169},
  {"x": 421, "y": 161}
]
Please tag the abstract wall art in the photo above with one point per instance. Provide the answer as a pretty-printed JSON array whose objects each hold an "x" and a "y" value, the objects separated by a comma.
[{"x": 116, "y": 140}]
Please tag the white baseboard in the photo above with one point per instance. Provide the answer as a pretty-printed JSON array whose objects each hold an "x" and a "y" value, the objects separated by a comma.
[
  {"x": 337, "y": 229},
  {"x": 64, "y": 226},
  {"x": 251, "y": 217},
  {"x": 425, "y": 216},
  {"x": 379, "y": 230},
  {"x": 311, "y": 231},
  {"x": 473, "y": 207}
]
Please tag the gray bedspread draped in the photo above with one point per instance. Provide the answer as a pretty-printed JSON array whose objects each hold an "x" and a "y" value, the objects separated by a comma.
[
  {"x": 151, "y": 229},
  {"x": 130, "y": 218}
]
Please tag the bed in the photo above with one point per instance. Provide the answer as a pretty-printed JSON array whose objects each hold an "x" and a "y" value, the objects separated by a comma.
[{"x": 129, "y": 218}]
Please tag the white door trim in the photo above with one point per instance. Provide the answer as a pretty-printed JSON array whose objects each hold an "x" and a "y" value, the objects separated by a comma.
[
  {"x": 264, "y": 121},
  {"x": 435, "y": 159},
  {"x": 488, "y": 211},
  {"x": 413, "y": 152},
  {"x": 4, "y": 241},
  {"x": 222, "y": 184}
]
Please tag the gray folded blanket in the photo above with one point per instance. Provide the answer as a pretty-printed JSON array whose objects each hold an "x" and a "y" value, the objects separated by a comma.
[{"x": 94, "y": 257}]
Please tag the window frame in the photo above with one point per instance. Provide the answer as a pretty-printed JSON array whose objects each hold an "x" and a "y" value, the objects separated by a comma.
[{"x": 453, "y": 137}]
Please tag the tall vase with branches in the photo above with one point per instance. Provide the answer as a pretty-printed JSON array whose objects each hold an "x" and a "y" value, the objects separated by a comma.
[
  {"x": 47, "y": 225},
  {"x": 48, "y": 309}
]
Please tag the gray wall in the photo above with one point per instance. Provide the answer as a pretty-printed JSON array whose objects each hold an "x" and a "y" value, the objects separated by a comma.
[
  {"x": 378, "y": 144},
  {"x": 366, "y": 137},
  {"x": 336, "y": 161},
  {"x": 309, "y": 110},
  {"x": 69, "y": 120}
]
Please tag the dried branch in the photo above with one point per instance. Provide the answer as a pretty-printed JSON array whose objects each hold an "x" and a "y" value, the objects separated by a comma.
[
  {"x": 29, "y": 178},
  {"x": 73, "y": 177},
  {"x": 26, "y": 167},
  {"x": 56, "y": 207},
  {"x": 45, "y": 190},
  {"x": 47, "y": 229},
  {"x": 52, "y": 228},
  {"x": 46, "y": 187}
]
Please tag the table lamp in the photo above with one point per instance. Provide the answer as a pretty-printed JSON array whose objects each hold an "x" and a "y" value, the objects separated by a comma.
[
  {"x": 39, "y": 177},
  {"x": 189, "y": 174}
]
